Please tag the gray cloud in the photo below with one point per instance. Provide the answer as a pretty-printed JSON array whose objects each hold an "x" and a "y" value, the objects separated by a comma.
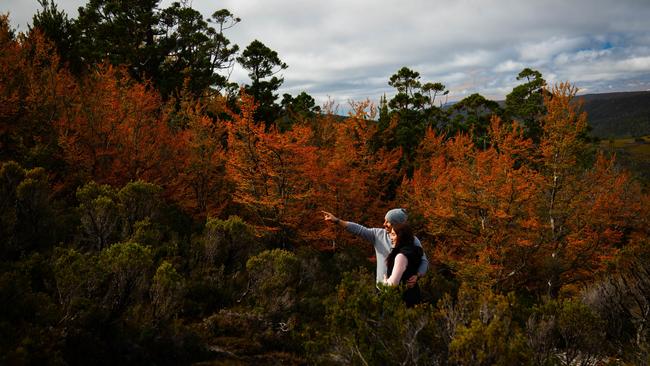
[{"x": 348, "y": 49}]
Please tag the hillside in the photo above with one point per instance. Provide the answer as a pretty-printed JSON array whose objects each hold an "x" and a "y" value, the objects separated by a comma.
[
  {"x": 633, "y": 154},
  {"x": 618, "y": 115}
]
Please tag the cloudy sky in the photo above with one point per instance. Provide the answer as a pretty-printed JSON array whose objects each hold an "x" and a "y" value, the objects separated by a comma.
[{"x": 348, "y": 49}]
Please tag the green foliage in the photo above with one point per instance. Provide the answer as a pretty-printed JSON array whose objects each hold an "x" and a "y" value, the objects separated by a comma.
[
  {"x": 260, "y": 61},
  {"x": 262, "y": 64},
  {"x": 28, "y": 314},
  {"x": 409, "y": 96},
  {"x": 173, "y": 47},
  {"x": 492, "y": 337},
  {"x": 439, "y": 281},
  {"x": 34, "y": 209},
  {"x": 106, "y": 283},
  {"x": 297, "y": 110},
  {"x": 148, "y": 233},
  {"x": 566, "y": 331},
  {"x": 413, "y": 111},
  {"x": 27, "y": 218},
  {"x": 11, "y": 174},
  {"x": 199, "y": 52},
  {"x": 136, "y": 213},
  {"x": 219, "y": 259},
  {"x": 274, "y": 276},
  {"x": 230, "y": 243},
  {"x": 79, "y": 284},
  {"x": 581, "y": 332},
  {"x": 140, "y": 201},
  {"x": 367, "y": 327},
  {"x": 121, "y": 32},
  {"x": 113, "y": 292},
  {"x": 526, "y": 102},
  {"x": 99, "y": 212},
  {"x": 167, "y": 291},
  {"x": 128, "y": 267},
  {"x": 58, "y": 28},
  {"x": 473, "y": 114}
]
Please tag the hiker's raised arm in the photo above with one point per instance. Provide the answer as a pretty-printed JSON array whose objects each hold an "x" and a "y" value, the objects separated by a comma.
[{"x": 331, "y": 218}]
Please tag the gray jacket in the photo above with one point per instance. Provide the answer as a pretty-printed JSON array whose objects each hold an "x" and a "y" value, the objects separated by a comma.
[{"x": 381, "y": 241}]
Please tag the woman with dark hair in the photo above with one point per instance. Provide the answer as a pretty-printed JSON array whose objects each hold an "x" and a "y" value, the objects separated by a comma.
[{"x": 403, "y": 262}]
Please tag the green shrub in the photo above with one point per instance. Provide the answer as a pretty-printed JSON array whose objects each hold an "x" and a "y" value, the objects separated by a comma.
[
  {"x": 274, "y": 277},
  {"x": 217, "y": 261},
  {"x": 492, "y": 336},
  {"x": 139, "y": 201},
  {"x": 566, "y": 331},
  {"x": 27, "y": 218},
  {"x": 99, "y": 212},
  {"x": 167, "y": 291},
  {"x": 367, "y": 326}
]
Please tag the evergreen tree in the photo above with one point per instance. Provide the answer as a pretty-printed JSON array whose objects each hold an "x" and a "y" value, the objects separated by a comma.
[
  {"x": 526, "y": 102},
  {"x": 195, "y": 52},
  {"x": 120, "y": 32},
  {"x": 415, "y": 103},
  {"x": 473, "y": 113},
  {"x": 263, "y": 64},
  {"x": 171, "y": 47},
  {"x": 58, "y": 28},
  {"x": 407, "y": 105},
  {"x": 413, "y": 111},
  {"x": 297, "y": 109}
]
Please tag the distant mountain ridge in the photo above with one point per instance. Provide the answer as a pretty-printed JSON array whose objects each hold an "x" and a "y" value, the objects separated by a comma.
[
  {"x": 610, "y": 115},
  {"x": 618, "y": 115}
]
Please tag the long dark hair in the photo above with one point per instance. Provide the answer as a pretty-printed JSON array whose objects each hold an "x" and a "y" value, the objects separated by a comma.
[{"x": 405, "y": 238}]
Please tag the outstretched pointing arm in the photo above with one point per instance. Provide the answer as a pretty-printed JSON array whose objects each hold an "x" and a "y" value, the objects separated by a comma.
[
  {"x": 354, "y": 228},
  {"x": 334, "y": 219}
]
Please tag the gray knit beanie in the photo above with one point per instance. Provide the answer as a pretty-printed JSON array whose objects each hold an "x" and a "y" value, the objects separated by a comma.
[{"x": 396, "y": 216}]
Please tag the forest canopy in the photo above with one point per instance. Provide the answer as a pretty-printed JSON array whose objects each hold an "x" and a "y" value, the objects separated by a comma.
[{"x": 154, "y": 212}]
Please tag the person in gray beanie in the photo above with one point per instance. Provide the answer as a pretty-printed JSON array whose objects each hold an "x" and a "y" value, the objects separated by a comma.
[
  {"x": 396, "y": 216},
  {"x": 380, "y": 239}
]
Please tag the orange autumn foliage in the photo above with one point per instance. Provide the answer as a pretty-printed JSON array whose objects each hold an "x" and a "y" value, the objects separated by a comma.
[
  {"x": 10, "y": 65},
  {"x": 34, "y": 89},
  {"x": 511, "y": 215},
  {"x": 474, "y": 198},
  {"x": 587, "y": 210},
  {"x": 353, "y": 178},
  {"x": 272, "y": 173},
  {"x": 113, "y": 133},
  {"x": 199, "y": 180}
]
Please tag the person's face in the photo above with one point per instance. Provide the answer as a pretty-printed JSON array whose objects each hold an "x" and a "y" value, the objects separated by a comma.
[
  {"x": 393, "y": 237},
  {"x": 388, "y": 226}
]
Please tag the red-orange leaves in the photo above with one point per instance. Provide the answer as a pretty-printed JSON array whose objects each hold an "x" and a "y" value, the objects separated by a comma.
[
  {"x": 355, "y": 180},
  {"x": 479, "y": 200},
  {"x": 34, "y": 88},
  {"x": 113, "y": 132},
  {"x": 272, "y": 172},
  {"x": 199, "y": 183},
  {"x": 540, "y": 218}
]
